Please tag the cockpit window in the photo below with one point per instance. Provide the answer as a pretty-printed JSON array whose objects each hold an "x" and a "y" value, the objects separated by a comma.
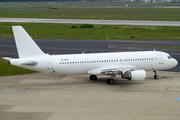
[{"x": 169, "y": 57}]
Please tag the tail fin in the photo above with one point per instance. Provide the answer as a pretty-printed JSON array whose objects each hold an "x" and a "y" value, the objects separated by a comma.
[{"x": 25, "y": 44}]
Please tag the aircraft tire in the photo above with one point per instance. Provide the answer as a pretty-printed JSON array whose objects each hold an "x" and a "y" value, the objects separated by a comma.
[
  {"x": 93, "y": 77},
  {"x": 110, "y": 81},
  {"x": 156, "y": 77}
]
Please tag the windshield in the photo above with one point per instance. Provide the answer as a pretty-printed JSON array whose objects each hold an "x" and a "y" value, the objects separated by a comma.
[{"x": 169, "y": 57}]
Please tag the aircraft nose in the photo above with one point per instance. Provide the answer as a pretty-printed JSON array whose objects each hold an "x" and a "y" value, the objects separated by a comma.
[{"x": 175, "y": 62}]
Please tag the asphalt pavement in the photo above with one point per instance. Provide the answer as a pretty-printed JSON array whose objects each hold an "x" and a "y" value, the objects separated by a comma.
[{"x": 84, "y": 21}]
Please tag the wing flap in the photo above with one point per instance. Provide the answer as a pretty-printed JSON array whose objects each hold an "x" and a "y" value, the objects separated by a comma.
[{"x": 112, "y": 70}]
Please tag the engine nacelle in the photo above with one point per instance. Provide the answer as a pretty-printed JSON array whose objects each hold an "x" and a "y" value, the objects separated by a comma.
[{"x": 135, "y": 75}]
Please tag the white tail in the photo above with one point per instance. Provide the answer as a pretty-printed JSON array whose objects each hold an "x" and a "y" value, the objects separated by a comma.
[{"x": 26, "y": 46}]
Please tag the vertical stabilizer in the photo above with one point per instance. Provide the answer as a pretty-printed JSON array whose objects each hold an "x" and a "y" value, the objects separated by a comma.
[{"x": 26, "y": 46}]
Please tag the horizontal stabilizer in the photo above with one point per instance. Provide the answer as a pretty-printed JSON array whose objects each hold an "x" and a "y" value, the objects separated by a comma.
[{"x": 7, "y": 58}]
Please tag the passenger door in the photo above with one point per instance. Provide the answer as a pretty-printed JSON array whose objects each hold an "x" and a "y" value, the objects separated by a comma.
[{"x": 161, "y": 60}]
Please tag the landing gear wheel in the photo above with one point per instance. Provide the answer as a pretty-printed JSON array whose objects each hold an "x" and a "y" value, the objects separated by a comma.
[
  {"x": 93, "y": 77},
  {"x": 110, "y": 81},
  {"x": 156, "y": 77}
]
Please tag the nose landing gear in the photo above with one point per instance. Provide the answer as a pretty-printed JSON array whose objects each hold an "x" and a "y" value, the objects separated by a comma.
[{"x": 155, "y": 75}]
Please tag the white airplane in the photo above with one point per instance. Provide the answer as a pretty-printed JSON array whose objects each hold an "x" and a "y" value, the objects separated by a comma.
[{"x": 129, "y": 65}]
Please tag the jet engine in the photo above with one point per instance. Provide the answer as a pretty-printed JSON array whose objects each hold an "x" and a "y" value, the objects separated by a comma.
[{"x": 136, "y": 75}]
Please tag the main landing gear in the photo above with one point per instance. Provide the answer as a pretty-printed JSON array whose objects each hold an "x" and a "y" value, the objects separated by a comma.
[
  {"x": 155, "y": 75},
  {"x": 93, "y": 77},
  {"x": 108, "y": 81}
]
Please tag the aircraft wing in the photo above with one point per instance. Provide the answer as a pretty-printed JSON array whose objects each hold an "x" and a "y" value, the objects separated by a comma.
[{"x": 112, "y": 70}]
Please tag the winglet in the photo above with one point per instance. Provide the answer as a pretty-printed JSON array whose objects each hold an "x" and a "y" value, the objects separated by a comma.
[{"x": 26, "y": 46}]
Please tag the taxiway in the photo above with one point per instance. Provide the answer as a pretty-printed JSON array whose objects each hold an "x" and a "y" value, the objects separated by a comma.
[
  {"x": 42, "y": 96},
  {"x": 84, "y": 21}
]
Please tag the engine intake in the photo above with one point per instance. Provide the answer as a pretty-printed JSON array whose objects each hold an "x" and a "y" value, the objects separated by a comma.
[{"x": 136, "y": 75}]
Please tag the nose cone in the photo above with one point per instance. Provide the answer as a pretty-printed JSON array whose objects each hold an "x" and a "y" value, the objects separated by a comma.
[{"x": 175, "y": 62}]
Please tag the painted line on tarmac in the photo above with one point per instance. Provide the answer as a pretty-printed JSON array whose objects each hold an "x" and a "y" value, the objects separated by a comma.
[
  {"x": 149, "y": 113},
  {"x": 159, "y": 110},
  {"x": 140, "y": 116},
  {"x": 44, "y": 86},
  {"x": 175, "y": 53},
  {"x": 8, "y": 53},
  {"x": 149, "y": 42},
  {"x": 177, "y": 104},
  {"x": 75, "y": 49}
]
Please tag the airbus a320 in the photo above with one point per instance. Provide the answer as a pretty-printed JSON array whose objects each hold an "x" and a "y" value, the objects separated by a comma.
[{"x": 129, "y": 65}]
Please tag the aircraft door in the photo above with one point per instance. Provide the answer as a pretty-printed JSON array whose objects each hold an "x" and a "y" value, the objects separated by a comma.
[
  {"x": 50, "y": 64},
  {"x": 161, "y": 60}
]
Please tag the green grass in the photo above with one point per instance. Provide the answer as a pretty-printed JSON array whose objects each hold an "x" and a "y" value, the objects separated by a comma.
[
  {"x": 98, "y": 32},
  {"x": 6, "y": 69},
  {"x": 80, "y": 4},
  {"x": 91, "y": 10},
  {"x": 154, "y": 14}
]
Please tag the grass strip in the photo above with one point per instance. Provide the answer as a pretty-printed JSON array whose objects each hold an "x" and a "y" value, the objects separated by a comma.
[
  {"x": 152, "y": 14},
  {"x": 97, "y": 32},
  {"x": 84, "y": 4}
]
